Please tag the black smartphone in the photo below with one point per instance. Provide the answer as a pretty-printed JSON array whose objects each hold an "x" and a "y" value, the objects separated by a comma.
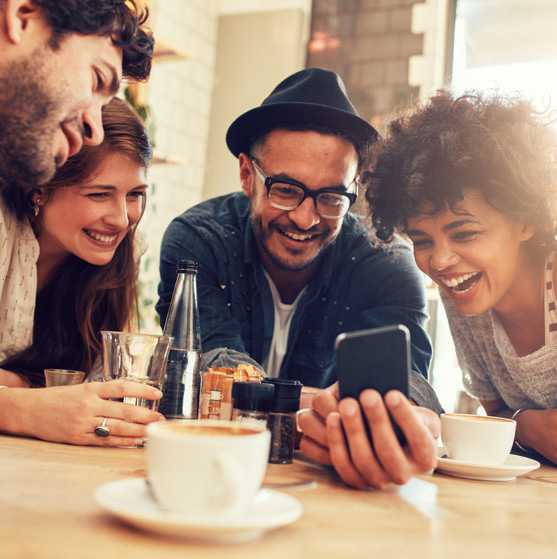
[{"x": 377, "y": 358}]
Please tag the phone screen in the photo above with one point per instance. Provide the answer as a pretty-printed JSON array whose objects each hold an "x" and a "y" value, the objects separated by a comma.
[{"x": 377, "y": 358}]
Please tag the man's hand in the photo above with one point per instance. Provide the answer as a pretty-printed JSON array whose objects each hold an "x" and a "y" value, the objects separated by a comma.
[{"x": 334, "y": 434}]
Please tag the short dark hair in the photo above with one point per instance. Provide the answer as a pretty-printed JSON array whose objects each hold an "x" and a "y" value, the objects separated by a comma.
[
  {"x": 363, "y": 149},
  {"x": 122, "y": 20},
  {"x": 496, "y": 144}
]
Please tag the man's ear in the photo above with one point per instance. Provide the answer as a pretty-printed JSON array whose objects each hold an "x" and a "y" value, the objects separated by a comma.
[
  {"x": 247, "y": 176},
  {"x": 15, "y": 18}
]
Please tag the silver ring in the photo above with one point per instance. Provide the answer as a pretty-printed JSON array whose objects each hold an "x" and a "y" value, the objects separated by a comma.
[{"x": 102, "y": 430}]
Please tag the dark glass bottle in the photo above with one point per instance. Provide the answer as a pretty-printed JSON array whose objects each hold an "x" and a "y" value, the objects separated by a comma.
[{"x": 181, "y": 388}]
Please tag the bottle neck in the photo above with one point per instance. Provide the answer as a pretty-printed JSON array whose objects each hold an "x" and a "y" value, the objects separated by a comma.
[{"x": 182, "y": 322}]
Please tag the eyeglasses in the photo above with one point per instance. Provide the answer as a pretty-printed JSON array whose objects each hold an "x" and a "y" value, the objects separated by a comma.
[{"x": 287, "y": 194}]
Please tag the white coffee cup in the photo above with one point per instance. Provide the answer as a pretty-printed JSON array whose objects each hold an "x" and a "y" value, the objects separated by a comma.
[
  {"x": 206, "y": 468},
  {"x": 477, "y": 439}
]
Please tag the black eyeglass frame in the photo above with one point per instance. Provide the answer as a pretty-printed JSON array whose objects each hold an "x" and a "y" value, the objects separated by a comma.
[{"x": 268, "y": 181}]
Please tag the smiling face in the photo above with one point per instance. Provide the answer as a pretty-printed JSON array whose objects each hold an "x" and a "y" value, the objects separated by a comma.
[
  {"x": 90, "y": 220},
  {"x": 50, "y": 105},
  {"x": 475, "y": 253},
  {"x": 292, "y": 240}
]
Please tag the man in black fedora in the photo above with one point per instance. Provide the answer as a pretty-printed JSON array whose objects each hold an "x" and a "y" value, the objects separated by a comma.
[{"x": 284, "y": 268}]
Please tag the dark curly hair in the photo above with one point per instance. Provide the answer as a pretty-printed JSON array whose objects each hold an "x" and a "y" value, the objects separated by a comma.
[
  {"x": 498, "y": 145},
  {"x": 122, "y": 20}
]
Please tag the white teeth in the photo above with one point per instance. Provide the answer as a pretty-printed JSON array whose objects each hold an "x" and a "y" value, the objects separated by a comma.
[
  {"x": 107, "y": 239},
  {"x": 297, "y": 237},
  {"x": 455, "y": 282}
]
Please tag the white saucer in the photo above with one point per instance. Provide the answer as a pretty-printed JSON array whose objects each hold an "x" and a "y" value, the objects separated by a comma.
[
  {"x": 513, "y": 467},
  {"x": 131, "y": 501}
]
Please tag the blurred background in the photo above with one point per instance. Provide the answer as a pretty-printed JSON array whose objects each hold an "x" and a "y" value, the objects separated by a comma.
[{"x": 218, "y": 58}]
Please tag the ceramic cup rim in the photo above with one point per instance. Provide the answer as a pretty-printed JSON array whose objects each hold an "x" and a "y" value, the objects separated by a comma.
[
  {"x": 163, "y": 429},
  {"x": 471, "y": 418}
]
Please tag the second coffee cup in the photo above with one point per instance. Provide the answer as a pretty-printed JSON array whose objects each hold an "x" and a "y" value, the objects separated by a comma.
[{"x": 477, "y": 439}]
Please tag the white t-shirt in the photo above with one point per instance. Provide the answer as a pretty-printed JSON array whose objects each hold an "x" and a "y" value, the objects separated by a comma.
[{"x": 283, "y": 320}]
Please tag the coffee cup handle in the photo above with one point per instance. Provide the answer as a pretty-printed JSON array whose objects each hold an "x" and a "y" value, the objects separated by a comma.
[{"x": 232, "y": 475}]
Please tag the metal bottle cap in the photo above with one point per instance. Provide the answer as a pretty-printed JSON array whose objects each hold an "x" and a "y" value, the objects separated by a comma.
[{"x": 188, "y": 265}]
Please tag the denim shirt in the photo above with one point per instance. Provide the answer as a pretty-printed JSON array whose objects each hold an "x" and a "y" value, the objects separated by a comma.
[{"x": 357, "y": 285}]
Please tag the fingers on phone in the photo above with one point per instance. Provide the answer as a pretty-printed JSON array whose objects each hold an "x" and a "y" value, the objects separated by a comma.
[
  {"x": 387, "y": 447},
  {"x": 313, "y": 427},
  {"x": 420, "y": 441},
  {"x": 362, "y": 454},
  {"x": 339, "y": 454},
  {"x": 315, "y": 451},
  {"x": 324, "y": 403}
]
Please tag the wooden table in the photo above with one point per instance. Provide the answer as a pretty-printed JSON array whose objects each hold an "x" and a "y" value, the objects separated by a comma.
[{"x": 47, "y": 510}]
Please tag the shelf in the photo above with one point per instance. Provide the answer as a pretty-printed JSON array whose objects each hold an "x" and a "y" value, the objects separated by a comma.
[{"x": 166, "y": 53}]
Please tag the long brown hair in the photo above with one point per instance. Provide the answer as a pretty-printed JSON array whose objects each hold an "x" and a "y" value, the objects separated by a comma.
[{"x": 82, "y": 299}]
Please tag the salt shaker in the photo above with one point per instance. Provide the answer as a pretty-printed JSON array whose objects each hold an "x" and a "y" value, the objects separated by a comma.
[
  {"x": 281, "y": 420},
  {"x": 252, "y": 401}
]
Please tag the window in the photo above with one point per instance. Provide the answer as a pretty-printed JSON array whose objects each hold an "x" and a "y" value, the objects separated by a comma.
[{"x": 508, "y": 45}]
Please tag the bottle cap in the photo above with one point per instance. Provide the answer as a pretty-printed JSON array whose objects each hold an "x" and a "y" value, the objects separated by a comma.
[
  {"x": 287, "y": 394},
  {"x": 187, "y": 265},
  {"x": 253, "y": 396}
]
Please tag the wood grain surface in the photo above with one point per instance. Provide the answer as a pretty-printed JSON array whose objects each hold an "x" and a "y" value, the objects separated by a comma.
[{"x": 48, "y": 511}]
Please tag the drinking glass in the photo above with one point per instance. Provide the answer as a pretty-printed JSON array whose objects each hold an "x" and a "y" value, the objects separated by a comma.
[
  {"x": 136, "y": 357},
  {"x": 63, "y": 377}
]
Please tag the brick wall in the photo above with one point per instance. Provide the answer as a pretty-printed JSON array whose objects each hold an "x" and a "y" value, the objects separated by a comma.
[
  {"x": 179, "y": 93},
  {"x": 369, "y": 43}
]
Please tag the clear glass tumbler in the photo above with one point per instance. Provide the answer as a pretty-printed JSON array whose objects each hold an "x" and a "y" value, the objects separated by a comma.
[{"x": 136, "y": 357}]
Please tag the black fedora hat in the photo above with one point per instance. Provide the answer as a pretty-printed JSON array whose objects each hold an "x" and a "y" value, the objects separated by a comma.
[{"x": 313, "y": 96}]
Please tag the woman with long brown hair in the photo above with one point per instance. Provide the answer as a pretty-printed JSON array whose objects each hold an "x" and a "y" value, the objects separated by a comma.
[{"x": 67, "y": 271}]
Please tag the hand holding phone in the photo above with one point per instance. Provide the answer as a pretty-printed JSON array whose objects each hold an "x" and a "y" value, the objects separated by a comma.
[{"x": 377, "y": 358}]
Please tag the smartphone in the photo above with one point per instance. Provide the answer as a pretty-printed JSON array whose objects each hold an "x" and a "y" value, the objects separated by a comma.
[{"x": 377, "y": 358}]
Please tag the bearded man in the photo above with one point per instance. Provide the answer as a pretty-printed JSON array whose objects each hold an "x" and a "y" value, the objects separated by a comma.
[
  {"x": 284, "y": 268},
  {"x": 60, "y": 62}
]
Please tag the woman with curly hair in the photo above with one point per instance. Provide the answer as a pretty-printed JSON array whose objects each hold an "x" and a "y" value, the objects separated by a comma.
[{"x": 471, "y": 182}]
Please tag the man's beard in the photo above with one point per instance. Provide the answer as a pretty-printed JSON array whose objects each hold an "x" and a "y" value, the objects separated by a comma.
[
  {"x": 28, "y": 110},
  {"x": 261, "y": 238}
]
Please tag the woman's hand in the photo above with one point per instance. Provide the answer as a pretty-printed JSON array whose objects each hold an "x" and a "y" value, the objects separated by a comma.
[
  {"x": 536, "y": 429},
  {"x": 13, "y": 380},
  {"x": 69, "y": 414},
  {"x": 334, "y": 434}
]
